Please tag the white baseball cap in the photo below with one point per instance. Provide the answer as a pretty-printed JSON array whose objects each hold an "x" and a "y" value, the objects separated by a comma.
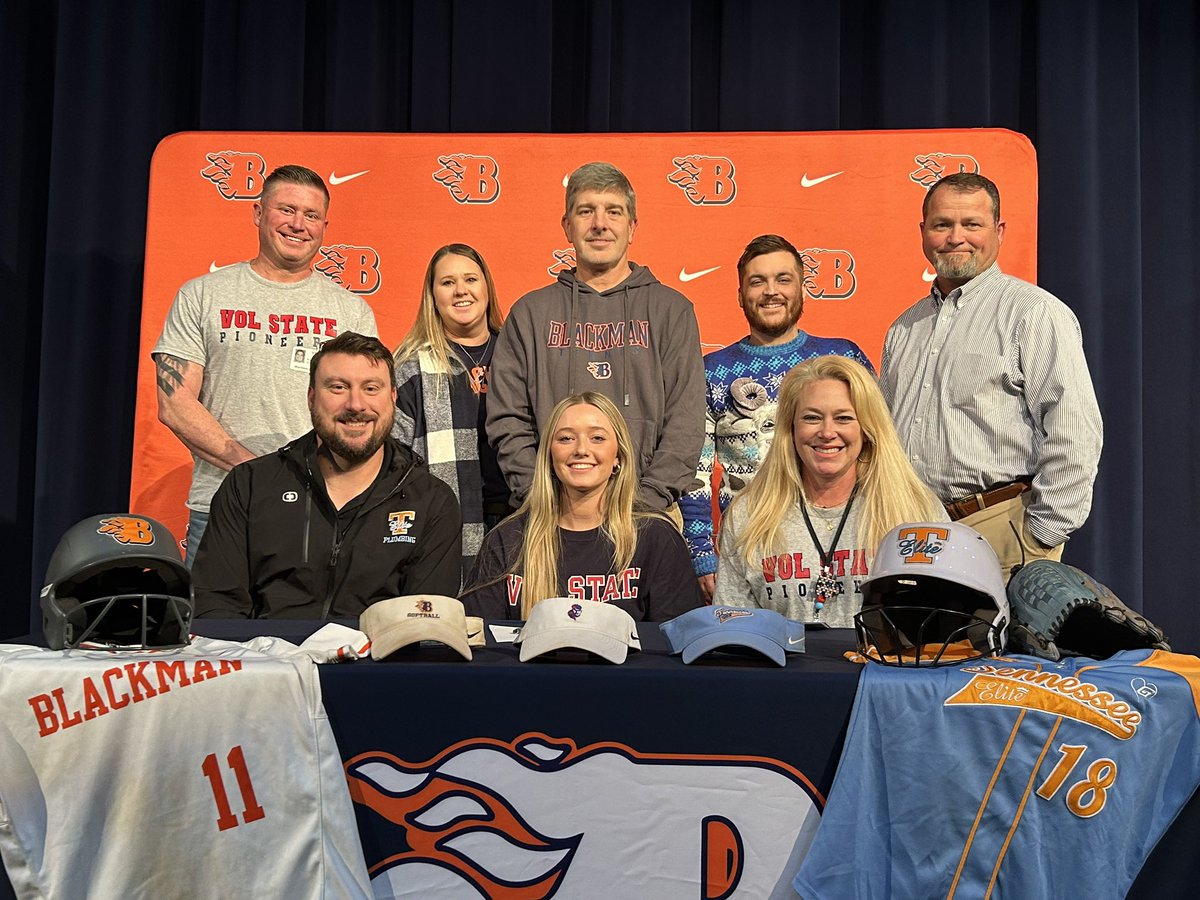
[
  {"x": 401, "y": 621},
  {"x": 558, "y": 622}
]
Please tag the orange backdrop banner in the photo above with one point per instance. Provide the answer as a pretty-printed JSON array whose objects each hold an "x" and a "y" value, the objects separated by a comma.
[{"x": 850, "y": 201}]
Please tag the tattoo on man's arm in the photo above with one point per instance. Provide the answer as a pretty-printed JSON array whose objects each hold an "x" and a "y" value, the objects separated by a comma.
[{"x": 169, "y": 372}]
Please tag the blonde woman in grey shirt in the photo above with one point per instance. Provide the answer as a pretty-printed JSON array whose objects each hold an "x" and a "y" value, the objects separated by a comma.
[{"x": 799, "y": 539}]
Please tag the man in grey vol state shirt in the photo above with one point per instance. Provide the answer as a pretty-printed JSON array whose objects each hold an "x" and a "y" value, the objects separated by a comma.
[{"x": 232, "y": 363}]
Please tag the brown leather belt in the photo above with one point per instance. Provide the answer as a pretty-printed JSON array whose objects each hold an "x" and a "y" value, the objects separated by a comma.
[{"x": 968, "y": 506}]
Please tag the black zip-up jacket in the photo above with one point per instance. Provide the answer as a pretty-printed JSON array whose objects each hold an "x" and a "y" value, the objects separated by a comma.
[{"x": 275, "y": 547}]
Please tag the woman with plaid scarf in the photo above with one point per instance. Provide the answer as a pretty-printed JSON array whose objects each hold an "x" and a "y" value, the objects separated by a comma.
[{"x": 442, "y": 370}]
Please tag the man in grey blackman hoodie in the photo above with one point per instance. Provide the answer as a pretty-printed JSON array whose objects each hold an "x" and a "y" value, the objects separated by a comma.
[{"x": 607, "y": 325}]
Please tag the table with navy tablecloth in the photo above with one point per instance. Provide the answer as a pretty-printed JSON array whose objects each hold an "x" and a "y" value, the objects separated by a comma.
[{"x": 571, "y": 776}]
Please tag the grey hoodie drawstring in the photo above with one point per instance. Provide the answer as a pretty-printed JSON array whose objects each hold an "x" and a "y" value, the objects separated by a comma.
[
  {"x": 625, "y": 343},
  {"x": 571, "y": 346}
]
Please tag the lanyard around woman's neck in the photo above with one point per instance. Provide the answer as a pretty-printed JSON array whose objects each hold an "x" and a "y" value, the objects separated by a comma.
[{"x": 826, "y": 586}]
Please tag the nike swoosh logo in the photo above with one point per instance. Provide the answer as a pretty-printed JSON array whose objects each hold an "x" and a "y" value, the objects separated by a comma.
[
  {"x": 928, "y": 276},
  {"x": 334, "y": 178},
  {"x": 566, "y": 178},
  {"x": 212, "y": 266},
  {"x": 805, "y": 181},
  {"x": 685, "y": 275},
  {"x": 795, "y": 641}
]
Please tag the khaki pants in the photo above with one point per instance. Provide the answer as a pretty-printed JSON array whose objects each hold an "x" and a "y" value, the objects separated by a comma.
[
  {"x": 675, "y": 514},
  {"x": 1003, "y": 526}
]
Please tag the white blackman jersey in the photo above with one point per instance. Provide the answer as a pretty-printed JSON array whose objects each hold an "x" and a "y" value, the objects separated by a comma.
[
  {"x": 207, "y": 771},
  {"x": 1011, "y": 777}
]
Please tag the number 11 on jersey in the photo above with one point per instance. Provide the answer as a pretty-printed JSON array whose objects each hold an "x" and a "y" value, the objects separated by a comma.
[{"x": 251, "y": 810}]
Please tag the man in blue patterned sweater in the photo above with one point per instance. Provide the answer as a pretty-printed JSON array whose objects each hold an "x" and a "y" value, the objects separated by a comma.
[{"x": 743, "y": 380}]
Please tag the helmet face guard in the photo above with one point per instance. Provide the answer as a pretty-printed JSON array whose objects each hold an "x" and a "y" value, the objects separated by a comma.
[
  {"x": 935, "y": 597},
  {"x": 117, "y": 581},
  {"x": 118, "y": 621},
  {"x": 924, "y": 636}
]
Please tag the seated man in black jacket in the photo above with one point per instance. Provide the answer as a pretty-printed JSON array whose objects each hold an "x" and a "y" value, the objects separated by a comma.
[{"x": 336, "y": 519}]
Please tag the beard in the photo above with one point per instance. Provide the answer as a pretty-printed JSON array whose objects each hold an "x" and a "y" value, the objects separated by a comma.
[
  {"x": 953, "y": 269},
  {"x": 774, "y": 327},
  {"x": 359, "y": 450}
]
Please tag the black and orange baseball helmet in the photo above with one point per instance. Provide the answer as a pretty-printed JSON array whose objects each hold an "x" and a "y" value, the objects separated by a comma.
[{"x": 117, "y": 581}]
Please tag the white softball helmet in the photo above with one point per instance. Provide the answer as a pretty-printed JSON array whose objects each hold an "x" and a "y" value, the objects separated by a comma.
[{"x": 935, "y": 596}]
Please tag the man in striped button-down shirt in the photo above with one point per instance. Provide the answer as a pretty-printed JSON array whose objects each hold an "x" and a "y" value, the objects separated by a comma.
[{"x": 989, "y": 387}]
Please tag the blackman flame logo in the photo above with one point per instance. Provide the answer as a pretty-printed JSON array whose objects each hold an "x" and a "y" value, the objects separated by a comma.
[
  {"x": 236, "y": 175},
  {"x": 354, "y": 268},
  {"x": 564, "y": 261},
  {"x": 127, "y": 530},
  {"x": 469, "y": 179},
  {"x": 933, "y": 167},
  {"x": 493, "y": 817},
  {"x": 828, "y": 274},
  {"x": 704, "y": 180}
]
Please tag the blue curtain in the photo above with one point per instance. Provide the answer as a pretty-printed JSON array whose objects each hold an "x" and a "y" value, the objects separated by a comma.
[{"x": 1107, "y": 92}]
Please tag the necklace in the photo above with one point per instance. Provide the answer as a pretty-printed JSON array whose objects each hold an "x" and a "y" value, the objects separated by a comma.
[
  {"x": 483, "y": 351},
  {"x": 827, "y": 586},
  {"x": 830, "y": 522}
]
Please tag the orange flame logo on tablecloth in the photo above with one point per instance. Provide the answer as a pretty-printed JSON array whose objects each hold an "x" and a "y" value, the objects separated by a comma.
[{"x": 540, "y": 816}]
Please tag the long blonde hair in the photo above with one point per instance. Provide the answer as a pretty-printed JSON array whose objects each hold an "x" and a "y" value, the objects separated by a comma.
[
  {"x": 888, "y": 487},
  {"x": 428, "y": 333},
  {"x": 541, "y": 549}
]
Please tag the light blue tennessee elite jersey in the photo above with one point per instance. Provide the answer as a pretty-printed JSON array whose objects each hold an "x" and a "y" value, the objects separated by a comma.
[{"x": 1008, "y": 778}]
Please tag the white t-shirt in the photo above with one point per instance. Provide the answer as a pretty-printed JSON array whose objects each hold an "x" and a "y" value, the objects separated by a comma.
[{"x": 256, "y": 339}]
